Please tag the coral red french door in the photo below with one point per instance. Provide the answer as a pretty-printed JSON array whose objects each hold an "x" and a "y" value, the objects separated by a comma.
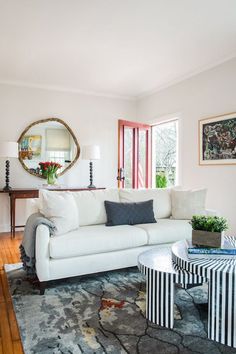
[{"x": 134, "y": 155}]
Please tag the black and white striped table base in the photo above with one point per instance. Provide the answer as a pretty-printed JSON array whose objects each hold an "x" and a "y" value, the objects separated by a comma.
[
  {"x": 221, "y": 275},
  {"x": 161, "y": 275}
]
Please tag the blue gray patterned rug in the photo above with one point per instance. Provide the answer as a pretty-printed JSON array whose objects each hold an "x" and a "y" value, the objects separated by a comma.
[{"x": 104, "y": 313}]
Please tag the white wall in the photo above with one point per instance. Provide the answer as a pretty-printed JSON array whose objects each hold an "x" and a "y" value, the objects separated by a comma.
[
  {"x": 207, "y": 94},
  {"x": 92, "y": 119}
]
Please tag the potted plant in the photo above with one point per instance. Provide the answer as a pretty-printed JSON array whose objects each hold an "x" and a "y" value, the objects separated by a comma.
[{"x": 208, "y": 231}]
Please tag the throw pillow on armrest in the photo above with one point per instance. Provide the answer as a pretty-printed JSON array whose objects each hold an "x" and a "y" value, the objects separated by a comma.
[
  {"x": 61, "y": 209},
  {"x": 129, "y": 213},
  {"x": 186, "y": 203}
]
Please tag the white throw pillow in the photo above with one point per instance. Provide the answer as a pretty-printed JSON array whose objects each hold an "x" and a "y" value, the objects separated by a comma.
[
  {"x": 90, "y": 205},
  {"x": 185, "y": 204},
  {"x": 161, "y": 199},
  {"x": 61, "y": 209}
]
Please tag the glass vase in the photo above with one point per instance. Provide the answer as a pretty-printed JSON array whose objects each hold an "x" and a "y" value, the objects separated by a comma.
[{"x": 51, "y": 178}]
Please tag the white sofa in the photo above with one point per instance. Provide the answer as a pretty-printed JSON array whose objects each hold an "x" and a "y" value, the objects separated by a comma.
[{"x": 95, "y": 247}]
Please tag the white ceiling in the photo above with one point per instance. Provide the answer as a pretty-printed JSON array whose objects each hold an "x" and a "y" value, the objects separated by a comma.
[{"x": 113, "y": 47}]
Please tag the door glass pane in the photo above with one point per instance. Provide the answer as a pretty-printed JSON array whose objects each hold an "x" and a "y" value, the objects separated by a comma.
[
  {"x": 128, "y": 157},
  {"x": 165, "y": 154},
  {"x": 142, "y": 159}
]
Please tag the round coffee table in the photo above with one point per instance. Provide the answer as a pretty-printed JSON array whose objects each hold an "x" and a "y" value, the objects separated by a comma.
[
  {"x": 221, "y": 276},
  {"x": 164, "y": 267},
  {"x": 161, "y": 275}
]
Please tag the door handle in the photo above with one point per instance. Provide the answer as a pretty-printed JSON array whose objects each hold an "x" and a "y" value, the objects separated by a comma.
[{"x": 121, "y": 173}]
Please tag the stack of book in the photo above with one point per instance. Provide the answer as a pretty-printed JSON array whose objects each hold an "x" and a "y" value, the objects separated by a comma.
[{"x": 227, "y": 251}]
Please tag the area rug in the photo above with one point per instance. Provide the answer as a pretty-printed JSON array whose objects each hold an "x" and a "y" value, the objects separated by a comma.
[{"x": 105, "y": 313}]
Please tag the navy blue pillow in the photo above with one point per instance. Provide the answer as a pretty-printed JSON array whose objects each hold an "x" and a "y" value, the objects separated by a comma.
[{"x": 129, "y": 213}]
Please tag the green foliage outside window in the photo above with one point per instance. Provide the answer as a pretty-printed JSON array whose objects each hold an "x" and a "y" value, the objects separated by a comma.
[{"x": 161, "y": 180}]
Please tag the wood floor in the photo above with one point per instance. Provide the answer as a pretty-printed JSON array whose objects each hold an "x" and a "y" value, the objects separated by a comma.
[{"x": 10, "y": 342}]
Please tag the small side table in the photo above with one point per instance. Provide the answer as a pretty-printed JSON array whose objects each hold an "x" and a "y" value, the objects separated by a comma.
[
  {"x": 161, "y": 275},
  {"x": 221, "y": 277},
  {"x": 164, "y": 267},
  {"x": 18, "y": 194}
]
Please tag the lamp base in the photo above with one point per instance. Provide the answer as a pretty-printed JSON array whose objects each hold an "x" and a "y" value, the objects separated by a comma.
[
  {"x": 7, "y": 188},
  {"x": 91, "y": 186}
]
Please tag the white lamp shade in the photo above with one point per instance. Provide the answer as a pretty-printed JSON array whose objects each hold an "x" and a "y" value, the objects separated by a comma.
[
  {"x": 91, "y": 152},
  {"x": 8, "y": 149}
]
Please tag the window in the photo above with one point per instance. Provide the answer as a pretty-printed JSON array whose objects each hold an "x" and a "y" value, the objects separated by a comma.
[
  {"x": 58, "y": 156},
  {"x": 58, "y": 146},
  {"x": 164, "y": 154}
]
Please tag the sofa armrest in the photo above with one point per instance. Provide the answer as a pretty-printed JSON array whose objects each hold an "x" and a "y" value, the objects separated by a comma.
[
  {"x": 42, "y": 252},
  {"x": 211, "y": 212}
]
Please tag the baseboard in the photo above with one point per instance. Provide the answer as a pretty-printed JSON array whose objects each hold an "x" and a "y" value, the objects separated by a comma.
[{"x": 7, "y": 228}]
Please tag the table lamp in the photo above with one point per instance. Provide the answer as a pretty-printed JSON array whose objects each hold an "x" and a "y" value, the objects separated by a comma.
[
  {"x": 8, "y": 149},
  {"x": 91, "y": 152}
]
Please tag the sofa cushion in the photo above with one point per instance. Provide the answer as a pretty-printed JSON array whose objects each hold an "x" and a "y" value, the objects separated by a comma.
[
  {"x": 161, "y": 199},
  {"x": 91, "y": 205},
  {"x": 167, "y": 231},
  {"x": 186, "y": 203},
  {"x": 96, "y": 239},
  {"x": 61, "y": 209},
  {"x": 129, "y": 213}
]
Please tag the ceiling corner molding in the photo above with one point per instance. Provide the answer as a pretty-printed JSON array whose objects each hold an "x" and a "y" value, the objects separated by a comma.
[
  {"x": 66, "y": 90},
  {"x": 185, "y": 77}
]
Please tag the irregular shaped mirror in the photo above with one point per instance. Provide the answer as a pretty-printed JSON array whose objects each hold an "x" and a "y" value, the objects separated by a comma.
[{"x": 48, "y": 140}]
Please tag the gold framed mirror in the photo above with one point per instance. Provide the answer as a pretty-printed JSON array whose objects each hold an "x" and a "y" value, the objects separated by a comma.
[{"x": 49, "y": 139}]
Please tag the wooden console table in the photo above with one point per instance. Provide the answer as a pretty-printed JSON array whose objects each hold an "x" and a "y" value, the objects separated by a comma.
[{"x": 29, "y": 193}]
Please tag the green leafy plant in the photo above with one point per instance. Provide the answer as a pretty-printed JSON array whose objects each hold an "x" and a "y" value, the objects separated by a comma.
[
  {"x": 209, "y": 223},
  {"x": 161, "y": 180}
]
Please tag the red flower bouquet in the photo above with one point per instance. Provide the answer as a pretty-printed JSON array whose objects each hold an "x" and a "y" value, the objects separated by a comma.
[{"x": 49, "y": 171}]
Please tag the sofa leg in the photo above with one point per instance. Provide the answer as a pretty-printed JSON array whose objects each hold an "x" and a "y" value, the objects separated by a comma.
[{"x": 42, "y": 287}]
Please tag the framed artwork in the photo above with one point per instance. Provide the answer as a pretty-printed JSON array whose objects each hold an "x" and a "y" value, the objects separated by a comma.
[
  {"x": 30, "y": 146},
  {"x": 217, "y": 140}
]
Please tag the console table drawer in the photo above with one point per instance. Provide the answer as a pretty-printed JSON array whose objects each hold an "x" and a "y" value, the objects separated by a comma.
[{"x": 19, "y": 195}]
